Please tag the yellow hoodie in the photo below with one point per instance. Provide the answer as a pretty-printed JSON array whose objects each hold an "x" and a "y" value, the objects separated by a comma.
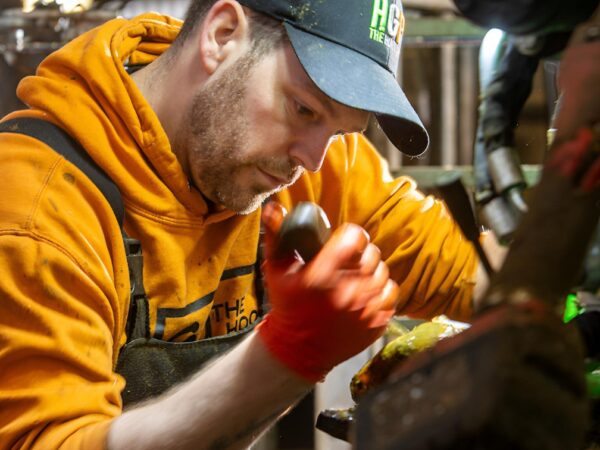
[{"x": 64, "y": 292}]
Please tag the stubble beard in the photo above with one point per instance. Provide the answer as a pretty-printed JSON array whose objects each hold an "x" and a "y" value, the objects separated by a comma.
[{"x": 218, "y": 131}]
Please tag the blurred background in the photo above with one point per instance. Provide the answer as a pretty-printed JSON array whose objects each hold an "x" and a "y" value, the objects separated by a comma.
[
  {"x": 440, "y": 73},
  {"x": 439, "y": 70}
]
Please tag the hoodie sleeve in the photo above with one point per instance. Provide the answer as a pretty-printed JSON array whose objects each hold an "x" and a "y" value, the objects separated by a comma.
[
  {"x": 425, "y": 250},
  {"x": 57, "y": 389},
  {"x": 60, "y": 311}
]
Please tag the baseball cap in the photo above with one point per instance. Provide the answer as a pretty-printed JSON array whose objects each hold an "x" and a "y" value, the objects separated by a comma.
[{"x": 351, "y": 49}]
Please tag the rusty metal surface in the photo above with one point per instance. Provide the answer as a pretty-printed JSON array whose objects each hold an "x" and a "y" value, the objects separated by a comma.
[{"x": 513, "y": 380}]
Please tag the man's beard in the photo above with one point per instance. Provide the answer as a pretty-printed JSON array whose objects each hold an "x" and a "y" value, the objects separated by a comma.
[{"x": 217, "y": 132}]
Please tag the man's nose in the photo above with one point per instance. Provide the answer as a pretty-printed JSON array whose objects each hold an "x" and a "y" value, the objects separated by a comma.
[{"x": 310, "y": 149}]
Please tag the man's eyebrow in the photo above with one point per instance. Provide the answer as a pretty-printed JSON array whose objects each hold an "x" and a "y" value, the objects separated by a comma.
[{"x": 320, "y": 96}]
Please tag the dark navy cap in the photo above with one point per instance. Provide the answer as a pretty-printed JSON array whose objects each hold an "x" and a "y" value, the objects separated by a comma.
[{"x": 351, "y": 50}]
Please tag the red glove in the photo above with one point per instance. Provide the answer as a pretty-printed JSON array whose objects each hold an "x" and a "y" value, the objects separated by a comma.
[
  {"x": 577, "y": 160},
  {"x": 328, "y": 310}
]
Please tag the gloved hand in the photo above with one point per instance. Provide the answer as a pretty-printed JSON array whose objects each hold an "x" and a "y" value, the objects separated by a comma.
[{"x": 330, "y": 309}]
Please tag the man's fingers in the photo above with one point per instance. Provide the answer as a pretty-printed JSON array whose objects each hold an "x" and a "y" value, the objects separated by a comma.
[
  {"x": 385, "y": 303},
  {"x": 343, "y": 250},
  {"x": 369, "y": 264},
  {"x": 381, "y": 275},
  {"x": 391, "y": 295},
  {"x": 369, "y": 294},
  {"x": 373, "y": 284},
  {"x": 370, "y": 260}
]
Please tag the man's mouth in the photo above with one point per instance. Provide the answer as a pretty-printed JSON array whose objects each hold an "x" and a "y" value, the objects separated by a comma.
[{"x": 275, "y": 179}]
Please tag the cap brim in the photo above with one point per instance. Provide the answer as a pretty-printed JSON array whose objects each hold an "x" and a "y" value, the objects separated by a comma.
[{"x": 357, "y": 81}]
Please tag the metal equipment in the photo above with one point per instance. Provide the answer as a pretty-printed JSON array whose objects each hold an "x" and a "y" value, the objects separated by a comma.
[
  {"x": 532, "y": 30},
  {"x": 304, "y": 230},
  {"x": 515, "y": 379}
]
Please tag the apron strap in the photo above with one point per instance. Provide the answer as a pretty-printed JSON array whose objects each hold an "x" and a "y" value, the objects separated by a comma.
[
  {"x": 138, "y": 321},
  {"x": 63, "y": 144}
]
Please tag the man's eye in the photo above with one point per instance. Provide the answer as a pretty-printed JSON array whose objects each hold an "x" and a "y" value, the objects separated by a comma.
[{"x": 304, "y": 111}]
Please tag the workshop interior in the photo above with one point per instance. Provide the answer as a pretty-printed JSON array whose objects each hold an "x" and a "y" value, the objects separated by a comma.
[{"x": 483, "y": 76}]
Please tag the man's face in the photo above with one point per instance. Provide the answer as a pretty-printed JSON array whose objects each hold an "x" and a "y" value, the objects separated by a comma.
[{"x": 256, "y": 126}]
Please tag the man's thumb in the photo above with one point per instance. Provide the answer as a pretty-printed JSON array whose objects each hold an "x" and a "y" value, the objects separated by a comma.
[{"x": 272, "y": 218}]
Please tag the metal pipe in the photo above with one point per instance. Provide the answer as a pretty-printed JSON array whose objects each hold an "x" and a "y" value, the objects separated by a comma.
[{"x": 449, "y": 125}]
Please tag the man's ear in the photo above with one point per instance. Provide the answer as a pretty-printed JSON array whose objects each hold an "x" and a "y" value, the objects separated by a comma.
[{"x": 224, "y": 33}]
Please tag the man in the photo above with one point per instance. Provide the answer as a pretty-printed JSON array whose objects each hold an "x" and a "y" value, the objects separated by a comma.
[{"x": 237, "y": 110}]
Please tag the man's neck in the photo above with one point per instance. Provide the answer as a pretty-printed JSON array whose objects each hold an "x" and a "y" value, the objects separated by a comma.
[
  {"x": 144, "y": 79},
  {"x": 157, "y": 86}
]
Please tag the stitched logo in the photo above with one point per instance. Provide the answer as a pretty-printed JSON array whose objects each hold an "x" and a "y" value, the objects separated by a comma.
[{"x": 387, "y": 22}]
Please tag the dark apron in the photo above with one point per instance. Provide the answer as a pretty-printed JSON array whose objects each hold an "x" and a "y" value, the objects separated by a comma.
[{"x": 150, "y": 366}]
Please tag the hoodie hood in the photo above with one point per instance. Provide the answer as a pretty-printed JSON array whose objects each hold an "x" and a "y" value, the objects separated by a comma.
[{"x": 85, "y": 89}]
